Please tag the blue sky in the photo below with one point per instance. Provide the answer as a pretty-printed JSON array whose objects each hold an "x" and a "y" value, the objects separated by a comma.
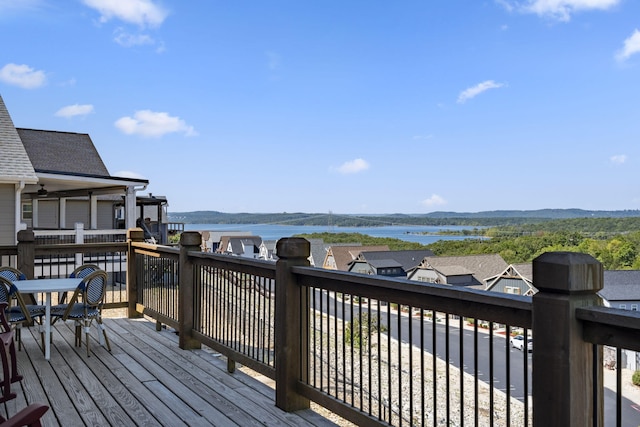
[{"x": 343, "y": 106}]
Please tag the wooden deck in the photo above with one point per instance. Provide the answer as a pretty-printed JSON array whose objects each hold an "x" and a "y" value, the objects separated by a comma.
[{"x": 146, "y": 380}]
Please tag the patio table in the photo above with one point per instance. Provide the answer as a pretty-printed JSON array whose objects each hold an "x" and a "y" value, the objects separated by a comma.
[{"x": 47, "y": 286}]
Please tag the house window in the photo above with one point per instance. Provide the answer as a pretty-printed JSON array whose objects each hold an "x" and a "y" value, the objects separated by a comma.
[
  {"x": 512, "y": 290},
  {"x": 623, "y": 306},
  {"x": 634, "y": 307},
  {"x": 27, "y": 211}
]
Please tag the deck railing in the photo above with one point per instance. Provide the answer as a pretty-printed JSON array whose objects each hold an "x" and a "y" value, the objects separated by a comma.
[
  {"x": 375, "y": 350},
  {"x": 381, "y": 351}
]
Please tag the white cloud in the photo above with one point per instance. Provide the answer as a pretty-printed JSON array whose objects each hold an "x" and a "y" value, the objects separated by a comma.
[
  {"x": 139, "y": 12},
  {"x": 557, "y": 9},
  {"x": 476, "y": 90},
  {"x": 75, "y": 110},
  {"x": 129, "y": 174},
  {"x": 618, "y": 159},
  {"x": 353, "y": 166},
  {"x": 22, "y": 76},
  {"x": 434, "y": 200},
  {"x": 149, "y": 123},
  {"x": 126, "y": 39},
  {"x": 631, "y": 46},
  {"x": 422, "y": 137}
]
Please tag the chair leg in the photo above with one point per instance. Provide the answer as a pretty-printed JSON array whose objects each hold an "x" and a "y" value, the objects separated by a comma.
[
  {"x": 6, "y": 381},
  {"x": 87, "y": 330},
  {"x": 104, "y": 332},
  {"x": 15, "y": 377},
  {"x": 78, "y": 342},
  {"x": 19, "y": 336}
]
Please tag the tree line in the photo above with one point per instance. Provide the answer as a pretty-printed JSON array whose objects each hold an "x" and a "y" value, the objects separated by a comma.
[{"x": 616, "y": 252}]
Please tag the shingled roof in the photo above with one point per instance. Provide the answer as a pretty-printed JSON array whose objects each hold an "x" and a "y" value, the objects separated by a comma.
[
  {"x": 343, "y": 255},
  {"x": 621, "y": 285},
  {"x": 62, "y": 152},
  {"x": 14, "y": 162},
  {"x": 481, "y": 267},
  {"x": 406, "y": 259}
]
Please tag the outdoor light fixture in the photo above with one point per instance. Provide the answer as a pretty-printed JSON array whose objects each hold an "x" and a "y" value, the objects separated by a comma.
[{"x": 42, "y": 192}]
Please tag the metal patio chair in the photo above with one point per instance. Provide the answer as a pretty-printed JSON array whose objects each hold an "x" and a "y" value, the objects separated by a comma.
[
  {"x": 81, "y": 272},
  {"x": 84, "y": 307},
  {"x": 18, "y": 313}
]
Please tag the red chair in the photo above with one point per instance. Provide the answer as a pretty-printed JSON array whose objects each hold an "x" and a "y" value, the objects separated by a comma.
[
  {"x": 28, "y": 417},
  {"x": 9, "y": 362}
]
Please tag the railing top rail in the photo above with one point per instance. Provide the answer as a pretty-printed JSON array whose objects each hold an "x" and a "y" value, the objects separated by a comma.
[
  {"x": 610, "y": 326},
  {"x": 161, "y": 249},
  {"x": 230, "y": 261},
  {"x": 514, "y": 310},
  {"x": 80, "y": 247},
  {"x": 8, "y": 250},
  {"x": 72, "y": 232}
]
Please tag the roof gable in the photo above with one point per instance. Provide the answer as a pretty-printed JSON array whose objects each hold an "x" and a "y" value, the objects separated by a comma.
[{"x": 343, "y": 255}]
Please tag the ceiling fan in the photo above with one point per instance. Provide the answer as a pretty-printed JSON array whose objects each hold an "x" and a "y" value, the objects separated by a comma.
[{"x": 42, "y": 192}]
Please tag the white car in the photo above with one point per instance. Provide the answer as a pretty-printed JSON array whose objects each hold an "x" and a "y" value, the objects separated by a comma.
[{"x": 517, "y": 341}]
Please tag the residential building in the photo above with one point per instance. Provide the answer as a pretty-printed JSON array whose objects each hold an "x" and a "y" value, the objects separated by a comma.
[
  {"x": 56, "y": 180},
  {"x": 469, "y": 270},
  {"x": 339, "y": 257},
  {"x": 388, "y": 263},
  {"x": 515, "y": 279}
]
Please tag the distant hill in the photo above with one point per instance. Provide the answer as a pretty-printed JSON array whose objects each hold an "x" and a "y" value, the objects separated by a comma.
[
  {"x": 540, "y": 213},
  {"x": 484, "y": 219}
]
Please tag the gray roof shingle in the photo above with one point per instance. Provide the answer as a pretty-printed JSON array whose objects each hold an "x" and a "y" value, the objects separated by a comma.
[
  {"x": 62, "y": 152},
  {"x": 14, "y": 162},
  {"x": 621, "y": 285}
]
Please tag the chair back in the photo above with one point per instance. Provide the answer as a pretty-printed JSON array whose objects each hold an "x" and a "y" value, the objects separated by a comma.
[
  {"x": 95, "y": 286},
  {"x": 7, "y": 288},
  {"x": 3, "y": 317},
  {"x": 11, "y": 273},
  {"x": 9, "y": 291},
  {"x": 84, "y": 270}
]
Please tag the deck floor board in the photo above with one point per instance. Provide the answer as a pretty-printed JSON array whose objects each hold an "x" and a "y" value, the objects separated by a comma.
[{"x": 146, "y": 380}]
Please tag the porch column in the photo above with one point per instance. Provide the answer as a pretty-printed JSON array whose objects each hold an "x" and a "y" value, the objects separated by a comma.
[
  {"x": 564, "y": 365},
  {"x": 93, "y": 212},
  {"x": 34, "y": 213},
  {"x": 62, "y": 213},
  {"x": 130, "y": 208}
]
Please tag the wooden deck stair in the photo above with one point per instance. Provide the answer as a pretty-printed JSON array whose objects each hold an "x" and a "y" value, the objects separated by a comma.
[{"x": 146, "y": 380}]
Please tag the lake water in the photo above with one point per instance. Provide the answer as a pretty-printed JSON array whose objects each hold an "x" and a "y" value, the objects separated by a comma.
[{"x": 409, "y": 233}]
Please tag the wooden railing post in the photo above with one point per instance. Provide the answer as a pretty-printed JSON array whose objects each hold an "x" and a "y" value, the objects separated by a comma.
[
  {"x": 189, "y": 241},
  {"x": 563, "y": 363},
  {"x": 133, "y": 235},
  {"x": 26, "y": 252},
  {"x": 291, "y": 324}
]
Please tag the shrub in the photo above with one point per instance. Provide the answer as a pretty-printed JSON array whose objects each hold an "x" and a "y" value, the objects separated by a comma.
[
  {"x": 362, "y": 323},
  {"x": 635, "y": 379}
]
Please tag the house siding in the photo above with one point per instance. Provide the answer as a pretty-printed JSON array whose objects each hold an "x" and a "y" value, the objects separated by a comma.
[
  {"x": 48, "y": 214},
  {"x": 77, "y": 211},
  {"x": 106, "y": 215},
  {"x": 502, "y": 284},
  {"x": 8, "y": 218}
]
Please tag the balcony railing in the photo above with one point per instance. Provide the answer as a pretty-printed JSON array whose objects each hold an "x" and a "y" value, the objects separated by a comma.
[{"x": 386, "y": 351}]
